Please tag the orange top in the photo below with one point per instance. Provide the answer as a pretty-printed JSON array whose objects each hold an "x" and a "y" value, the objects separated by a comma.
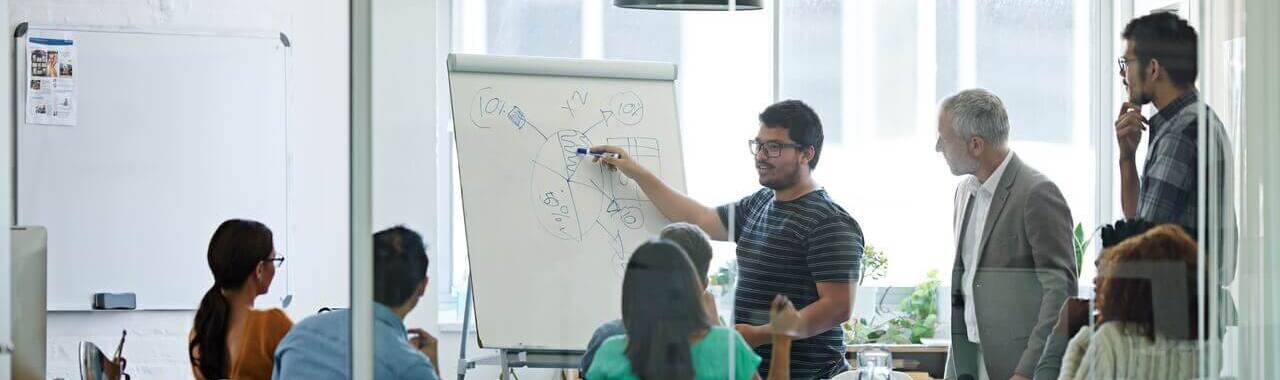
[{"x": 263, "y": 330}]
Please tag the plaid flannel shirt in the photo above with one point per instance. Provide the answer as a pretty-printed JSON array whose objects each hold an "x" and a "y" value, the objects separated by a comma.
[
  {"x": 1168, "y": 192},
  {"x": 1169, "y": 186}
]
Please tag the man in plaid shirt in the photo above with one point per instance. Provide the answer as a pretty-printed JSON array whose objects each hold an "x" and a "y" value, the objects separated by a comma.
[{"x": 1159, "y": 67}]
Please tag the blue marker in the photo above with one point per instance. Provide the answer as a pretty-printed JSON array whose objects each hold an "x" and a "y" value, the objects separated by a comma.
[{"x": 583, "y": 151}]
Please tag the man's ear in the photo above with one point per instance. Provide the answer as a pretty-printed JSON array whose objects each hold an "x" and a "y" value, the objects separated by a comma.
[
  {"x": 422, "y": 287},
  {"x": 807, "y": 154},
  {"x": 976, "y": 146},
  {"x": 1155, "y": 70}
]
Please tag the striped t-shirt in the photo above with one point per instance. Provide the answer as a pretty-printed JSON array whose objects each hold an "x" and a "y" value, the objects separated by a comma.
[{"x": 787, "y": 248}]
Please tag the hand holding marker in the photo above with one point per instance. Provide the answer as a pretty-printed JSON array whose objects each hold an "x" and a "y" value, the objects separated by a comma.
[
  {"x": 584, "y": 151},
  {"x": 609, "y": 156}
]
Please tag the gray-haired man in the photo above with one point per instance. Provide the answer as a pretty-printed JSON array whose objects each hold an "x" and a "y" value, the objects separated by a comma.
[{"x": 1014, "y": 261}]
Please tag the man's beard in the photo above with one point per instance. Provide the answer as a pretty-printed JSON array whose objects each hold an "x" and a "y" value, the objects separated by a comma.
[
  {"x": 1139, "y": 97},
  {"x": 962, "y": 165},
  {"x": 781, "y": 181}
]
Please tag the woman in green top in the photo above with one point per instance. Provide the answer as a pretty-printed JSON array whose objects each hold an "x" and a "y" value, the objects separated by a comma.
[{"x": 669, "y": 336}]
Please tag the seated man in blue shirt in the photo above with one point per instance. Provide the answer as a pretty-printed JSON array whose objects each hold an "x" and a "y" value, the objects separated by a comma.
[
  {"x": 319, "y": 347},
  {"x": 697, "y": 245}
]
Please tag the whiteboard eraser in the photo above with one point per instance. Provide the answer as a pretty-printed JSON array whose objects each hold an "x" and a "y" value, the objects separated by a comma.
[{"x": 115, "y": 301}]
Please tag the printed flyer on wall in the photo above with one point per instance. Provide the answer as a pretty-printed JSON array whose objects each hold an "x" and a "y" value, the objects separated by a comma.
[{"x": 51, "y": 87}]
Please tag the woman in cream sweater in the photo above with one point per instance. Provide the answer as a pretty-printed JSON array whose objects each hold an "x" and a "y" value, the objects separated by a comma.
[{"x": 1147, "y": 324}]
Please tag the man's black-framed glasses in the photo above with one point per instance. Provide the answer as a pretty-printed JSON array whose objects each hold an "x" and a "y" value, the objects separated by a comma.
[
  {"x": 1124, "y": 62},
  {"x": 772, "y": 149},
  {"x": 278, "y": 261}
]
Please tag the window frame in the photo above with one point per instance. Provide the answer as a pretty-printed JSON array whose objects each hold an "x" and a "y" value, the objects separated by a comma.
[{"x": 1103, "y": 89}]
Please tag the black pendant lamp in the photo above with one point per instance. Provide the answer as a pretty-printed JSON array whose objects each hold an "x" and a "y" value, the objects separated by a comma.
[{"x": 688, "y": 5}]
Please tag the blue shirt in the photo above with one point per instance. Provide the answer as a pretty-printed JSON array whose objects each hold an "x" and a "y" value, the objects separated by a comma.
[
  {"x": 319, "y": 347},
  {"x": 607, "y": 330}
]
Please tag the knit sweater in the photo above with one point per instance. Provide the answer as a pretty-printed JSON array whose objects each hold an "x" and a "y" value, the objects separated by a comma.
[{"x": 1109, "y": 353}]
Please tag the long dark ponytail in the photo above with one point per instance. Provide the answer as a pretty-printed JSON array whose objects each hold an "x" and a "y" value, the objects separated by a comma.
[
  {"x": 235, "y": 251},
  {"x": 661, "y": 310}
]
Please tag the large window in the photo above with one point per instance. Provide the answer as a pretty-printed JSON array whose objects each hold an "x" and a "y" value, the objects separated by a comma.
[{"x": 875, "y": 72}]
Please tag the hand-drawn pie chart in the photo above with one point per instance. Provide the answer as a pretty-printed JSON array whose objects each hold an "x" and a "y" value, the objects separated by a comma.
[{"x": 564, "y": 189}]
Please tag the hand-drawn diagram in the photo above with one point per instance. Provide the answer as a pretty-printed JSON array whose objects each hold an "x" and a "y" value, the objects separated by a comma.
[
  {"x": 574, "y": 199},
  {"x": 488, "y": 110},
  {"x": 565, "y": 207},
  {"x": 576, "y": 101},
  {"x": 644, "y": 151},
  {"x": 627, "y": 107}
]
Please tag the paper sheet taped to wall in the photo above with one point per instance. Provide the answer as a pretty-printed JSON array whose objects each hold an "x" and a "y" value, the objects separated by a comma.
[{"x": 51, "y": 88}]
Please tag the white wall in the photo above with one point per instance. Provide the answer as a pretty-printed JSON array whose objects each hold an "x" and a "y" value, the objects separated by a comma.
[
  {"x": 319, "y": 92},
  {"x": 6, "y": 205},
  {"x": 404, "y": 132}
]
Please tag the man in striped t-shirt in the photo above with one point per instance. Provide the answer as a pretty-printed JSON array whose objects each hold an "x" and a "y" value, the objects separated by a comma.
[{"x": 792, "y": 240}]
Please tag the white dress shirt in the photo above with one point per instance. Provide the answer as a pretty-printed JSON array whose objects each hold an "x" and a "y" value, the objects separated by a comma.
[{"x": 981, "y": 193}]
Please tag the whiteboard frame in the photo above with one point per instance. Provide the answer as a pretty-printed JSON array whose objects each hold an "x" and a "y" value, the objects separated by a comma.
[{"x": 21, "y": 30}]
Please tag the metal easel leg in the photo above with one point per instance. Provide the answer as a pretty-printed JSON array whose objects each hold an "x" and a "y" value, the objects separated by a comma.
[
  {"x": 504, "y": 365},
  {"x": 466, "y": 329}
]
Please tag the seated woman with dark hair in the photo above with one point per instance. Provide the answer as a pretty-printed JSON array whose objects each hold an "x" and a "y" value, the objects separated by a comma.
[
  {"x": 229, "y": 338},
  {"x": 1147, "y": 323},
  {"x": 669, "y": 334},
  {"x": 693, "y": 242}
]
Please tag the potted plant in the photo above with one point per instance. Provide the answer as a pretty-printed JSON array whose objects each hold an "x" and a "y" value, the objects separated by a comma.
[
  {"x": 874, "y": 264},
  {"x": 917, "y": 318},
  {"x": 1080, "y": 244}
]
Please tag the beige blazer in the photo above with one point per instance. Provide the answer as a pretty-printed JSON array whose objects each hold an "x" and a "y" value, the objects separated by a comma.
[{"x": 1026, "y": 270}]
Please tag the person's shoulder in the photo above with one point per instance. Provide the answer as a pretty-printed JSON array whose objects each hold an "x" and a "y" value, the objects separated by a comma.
[
  {"x": 614, "y": 343},
  {"x": 271, "y": 323},
  {"x": 611, "y": 359},
  {"x": 759, "y": 198},
  {"x": 1117, "y": 334},
  {"x": 612, "y": 350},
  {"x": 1117, "y": 329},
  {"x": 723, "y": 339},
  {"x": 1184, "y": 125},
  {"x": 609, "y": 329},
  {"x": 1023, "y": 171},
  {"x": 823, "y": 209},
  {"x": 722, "y": 336},
  {"x": 1081, "y": 339},
  {"x": 1032, "y": 179},
  {"x": 273, "y": 317},
  {"x": 613, "y": 347},
  {"x": 1189, "y": 115},
  {"x": 329, "y": 322},
  {"x": 316, "y": 337},
  {"x": 751, "y": 203},
  {"x": 722, "y": 333}
]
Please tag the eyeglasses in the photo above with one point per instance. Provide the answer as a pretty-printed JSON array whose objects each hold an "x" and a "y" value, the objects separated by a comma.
[
  {"x": 772, "y": 149},
  {"x": 1124, "y": 63},
  {"x": 278, "y": 261}
]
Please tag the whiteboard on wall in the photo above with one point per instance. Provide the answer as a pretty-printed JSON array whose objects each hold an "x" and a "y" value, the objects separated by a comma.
[
  {"x": 548, "y": 231},
  {"x": 174, "y": 133}
]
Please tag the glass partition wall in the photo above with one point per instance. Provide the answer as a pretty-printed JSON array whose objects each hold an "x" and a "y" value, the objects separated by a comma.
[{"x": 876, "y": 73}]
